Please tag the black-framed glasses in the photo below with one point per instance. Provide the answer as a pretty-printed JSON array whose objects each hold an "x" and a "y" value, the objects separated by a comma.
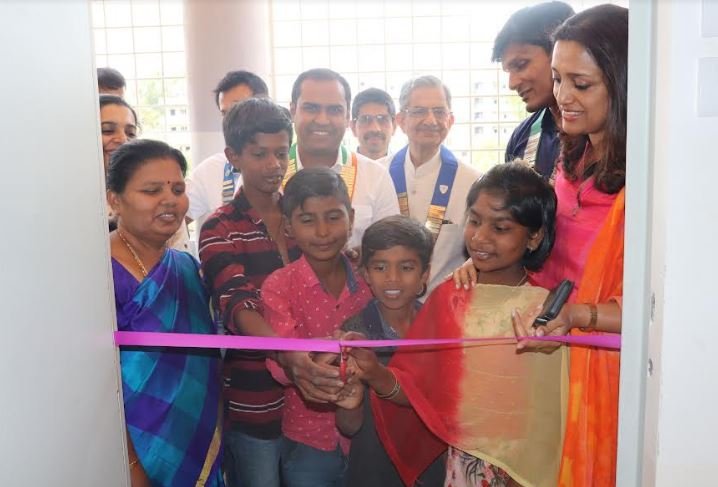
[
  {"x": 381, "y": 120},
  {"x": 440, "y": 113}
]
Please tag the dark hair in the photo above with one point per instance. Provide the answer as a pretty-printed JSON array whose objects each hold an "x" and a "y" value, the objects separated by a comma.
[
  {"x": 372, "y": 95},
  {"x": 396, "y": 230},
  {"x": 425, "y": 81},
  {"x": 110, "y": 79},
  {"x": 130, "y": 156},
  {"x": 117, "y": 100},
  {"x": 530, "y": 200},
  {"x": 531, "y": 25},
  {"x": 252, "y": 116},
  {"x": 241, "y": 77},
  {"x": 603, "y": 31},
  {"x": 321, "y": 74},
  {"x": 313, "y": 182}
]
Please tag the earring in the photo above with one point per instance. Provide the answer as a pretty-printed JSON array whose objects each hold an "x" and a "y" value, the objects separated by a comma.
[{"x": 422, "y": 291}]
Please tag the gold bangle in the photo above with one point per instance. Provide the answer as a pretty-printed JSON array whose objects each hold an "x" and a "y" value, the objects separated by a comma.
[
  {"x": 394, "y": 390},
  {"x": 133, "y": 463},
  {"x": 593, "y": 310}
]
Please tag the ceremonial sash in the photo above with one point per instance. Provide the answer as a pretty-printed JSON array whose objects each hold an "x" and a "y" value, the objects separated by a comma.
[
  {"x": 442, "y": 188},
  {"x": 348, "y": 172},
  {"x": 532, "y": 144},
  {"x": 228, "y": 183}
]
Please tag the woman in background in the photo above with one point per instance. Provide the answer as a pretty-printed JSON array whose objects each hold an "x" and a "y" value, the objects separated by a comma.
[
  {"x": 119, "y": 125},
  {"x": 118, "y": 122}
]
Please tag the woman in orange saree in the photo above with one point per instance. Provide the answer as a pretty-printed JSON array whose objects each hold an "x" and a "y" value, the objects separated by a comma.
[
  {"x": 589, "y": 66},
  {"x": 590, "y": 85}
]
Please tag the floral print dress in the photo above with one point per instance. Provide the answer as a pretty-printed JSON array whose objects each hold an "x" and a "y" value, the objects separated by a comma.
[{"x": 464, "y": 470}]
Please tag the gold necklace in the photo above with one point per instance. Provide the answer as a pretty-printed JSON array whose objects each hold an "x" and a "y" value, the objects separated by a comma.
[
  {"x": 143, "y": 269},
  {"x": 523, "y": 279}
]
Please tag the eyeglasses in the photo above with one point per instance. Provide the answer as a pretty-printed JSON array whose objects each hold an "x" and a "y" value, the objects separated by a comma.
[
  {"x": 381, "y": 120},
  {"x": 440, "y": 113}
]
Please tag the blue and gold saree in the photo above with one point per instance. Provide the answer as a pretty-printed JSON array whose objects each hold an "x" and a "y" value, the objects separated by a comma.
[{"x": 171, "y": 396}]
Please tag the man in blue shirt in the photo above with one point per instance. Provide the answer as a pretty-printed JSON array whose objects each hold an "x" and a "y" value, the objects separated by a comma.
[{"x": 524, "y": 46}]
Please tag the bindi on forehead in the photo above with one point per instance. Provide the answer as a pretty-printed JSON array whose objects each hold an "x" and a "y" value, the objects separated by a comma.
[{"x": 162, "y": 183}]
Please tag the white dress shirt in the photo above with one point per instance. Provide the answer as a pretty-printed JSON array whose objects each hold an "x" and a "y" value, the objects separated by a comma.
[
  {"x": 374, "y": 196},
  {"x": 420, "y": 182},
  {"x": 204, "y": 188}
]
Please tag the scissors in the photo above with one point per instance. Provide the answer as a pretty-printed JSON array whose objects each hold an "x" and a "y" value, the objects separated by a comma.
[{"x": 343, "y": 364}]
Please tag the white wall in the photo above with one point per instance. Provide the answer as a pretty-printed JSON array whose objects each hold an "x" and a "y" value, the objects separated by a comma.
[
  {"x": 637, "y": 263},
  {"x": 60, "y": 414},
  {"x": 682, "y": 393}
]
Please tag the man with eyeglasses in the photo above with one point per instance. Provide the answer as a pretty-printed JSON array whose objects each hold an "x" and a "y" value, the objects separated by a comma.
[
  {"x": 320, "y": 111},
  {"x": 524, "y": 48},
  {"x": 430, "y": 182},
  {"x": 373, "y": 122}
]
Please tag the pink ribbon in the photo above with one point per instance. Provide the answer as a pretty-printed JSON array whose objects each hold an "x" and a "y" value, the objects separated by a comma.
[{"x": 191, "y": 340}]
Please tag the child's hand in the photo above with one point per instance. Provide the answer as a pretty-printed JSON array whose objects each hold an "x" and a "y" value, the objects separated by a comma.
[
  {"x": 326, "y": 358},
  {"x": 354, "y": 255},
  {"x": 361, "y": 362},
  {"x": 465, "y": 276},
  {"x": 318, "y": 382},
  {"x": 523, "y": 327},
  {"x": 352, "y": 394}
]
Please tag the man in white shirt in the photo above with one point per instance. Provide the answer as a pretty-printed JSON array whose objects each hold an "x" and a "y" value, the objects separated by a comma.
[
  {"x": 373, "y": 122},
  {"x": 320, "y": 111},
  {"x": 214, "y": 182},
  {"x": 430, "y": 182}
]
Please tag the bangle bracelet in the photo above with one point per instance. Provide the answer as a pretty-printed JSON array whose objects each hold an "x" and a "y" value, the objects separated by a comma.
[
  {"x": 593, "y": 310},
  {"x": 394, "y": 390},
  {"x": 133, "y": 463}
]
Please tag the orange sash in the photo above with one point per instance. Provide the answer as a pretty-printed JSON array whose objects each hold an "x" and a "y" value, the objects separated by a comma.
[{"x": 589, "y": 452}]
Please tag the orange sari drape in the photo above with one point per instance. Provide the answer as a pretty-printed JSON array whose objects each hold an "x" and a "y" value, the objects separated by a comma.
[{"x": 589, "y": 452}]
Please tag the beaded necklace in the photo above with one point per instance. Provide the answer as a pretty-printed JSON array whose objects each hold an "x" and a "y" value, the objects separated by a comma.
[{"x": 142, "y": 267}]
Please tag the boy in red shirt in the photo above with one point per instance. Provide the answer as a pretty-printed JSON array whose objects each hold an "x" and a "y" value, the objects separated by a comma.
[{"x": 311, "y": 298}]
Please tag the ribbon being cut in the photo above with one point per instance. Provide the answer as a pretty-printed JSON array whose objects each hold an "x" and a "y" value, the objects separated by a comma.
[{"x": 468, "y": 386}]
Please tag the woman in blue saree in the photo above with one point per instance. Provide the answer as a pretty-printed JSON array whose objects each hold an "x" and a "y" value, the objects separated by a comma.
[{"x": 171, "y": 396}]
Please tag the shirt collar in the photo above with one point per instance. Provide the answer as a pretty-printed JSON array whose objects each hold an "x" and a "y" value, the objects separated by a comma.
[
  {"x": 241, "y": 203},
  {"x": 337, "y": 165},
  {"x": 433, "y": 163},
  {"x": 548, "y": 122},
  {"x": 387, "y": 330},
  {"x": 312, "y": 280}
]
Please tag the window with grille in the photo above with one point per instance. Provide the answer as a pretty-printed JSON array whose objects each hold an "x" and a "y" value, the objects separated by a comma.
[{"x": 144, "y": 40}]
